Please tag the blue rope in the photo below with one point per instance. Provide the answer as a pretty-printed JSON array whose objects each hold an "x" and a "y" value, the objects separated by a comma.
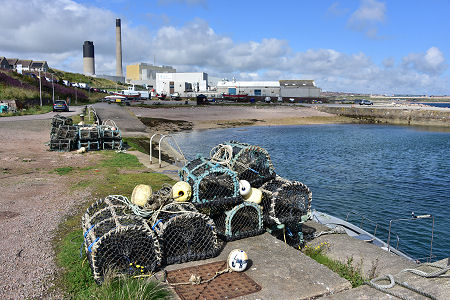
[
  {"x": 153, "y": 227},
  {"x": 84, "y": 239},
  {"x": 92, "y": 244}
]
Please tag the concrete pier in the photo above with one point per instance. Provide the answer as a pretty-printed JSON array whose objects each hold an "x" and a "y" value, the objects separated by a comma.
[{"x": 408, "y": 115}]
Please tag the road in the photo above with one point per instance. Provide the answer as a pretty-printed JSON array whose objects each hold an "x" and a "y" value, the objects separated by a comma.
[{"x": 74, "y": 110}]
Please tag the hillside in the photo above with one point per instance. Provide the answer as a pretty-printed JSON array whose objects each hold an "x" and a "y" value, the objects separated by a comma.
[{"x": 25, "y": 87}]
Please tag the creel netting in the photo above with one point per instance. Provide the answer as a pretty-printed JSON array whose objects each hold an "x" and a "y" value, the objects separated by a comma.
[
  {"x": 212, "y": 184},
  {"x": 115, "y": 243},
  {"x": 285, "y": 201},
  {"x": 185, "y": 234},
  {"x": 239, "y": 221},
  {"x": 251, "y": 163}
]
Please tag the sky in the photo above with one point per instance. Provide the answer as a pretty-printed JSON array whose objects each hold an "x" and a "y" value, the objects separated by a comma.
[{"x": 367, "y": 46}]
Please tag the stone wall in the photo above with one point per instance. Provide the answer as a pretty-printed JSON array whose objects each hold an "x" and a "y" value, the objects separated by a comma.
[{"x": 399, "y": 116}]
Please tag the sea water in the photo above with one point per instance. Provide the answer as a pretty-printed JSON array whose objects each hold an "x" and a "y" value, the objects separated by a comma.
[{"x": 382, "y": 172}]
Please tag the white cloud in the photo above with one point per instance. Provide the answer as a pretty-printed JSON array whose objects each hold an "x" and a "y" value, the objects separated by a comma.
[
  {"x": 367, "y": 17},
  {"x": 431, "y": 62},
  {"x": 58, "y": 33}
]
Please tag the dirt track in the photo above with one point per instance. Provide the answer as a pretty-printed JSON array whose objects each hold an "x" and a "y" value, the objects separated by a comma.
[{"x": 33, "y": 201}]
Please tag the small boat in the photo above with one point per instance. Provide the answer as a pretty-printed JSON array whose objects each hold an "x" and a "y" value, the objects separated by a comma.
[{"x": 361, "y": 234}]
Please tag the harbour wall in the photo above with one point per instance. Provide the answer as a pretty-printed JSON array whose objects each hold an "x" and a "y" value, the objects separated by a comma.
[{"x": 397, "y": 116}]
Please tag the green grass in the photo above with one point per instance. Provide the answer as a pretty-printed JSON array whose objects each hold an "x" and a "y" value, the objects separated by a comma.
[
  {"x": 63, "y": 170},
  {"x": 346, "y": 270},
  {"x": 116, "y": 173},
  {"x": 35, "y": 110}
]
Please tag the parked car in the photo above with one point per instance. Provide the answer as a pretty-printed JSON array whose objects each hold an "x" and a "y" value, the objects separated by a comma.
[
  {"x": 175, "y": 96},
  {"x": 365, "y": 102},
  {"x": 60, "y": 105},
  {"x": 267, "y": 99}
]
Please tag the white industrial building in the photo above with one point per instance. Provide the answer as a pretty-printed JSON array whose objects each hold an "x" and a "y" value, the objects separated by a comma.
[
  {"x": 250, "y": 88},
  {"x": 145, "y": 74},
  {"x": 296, "y": 89},
  {"x": 183, "y": 83}
]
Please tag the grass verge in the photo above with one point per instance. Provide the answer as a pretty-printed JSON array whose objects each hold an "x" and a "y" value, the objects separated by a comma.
[
  {"x": 346, "y": 270},
  {"x": 35, "y": 110},
  {"x": 116, "y": 173}
]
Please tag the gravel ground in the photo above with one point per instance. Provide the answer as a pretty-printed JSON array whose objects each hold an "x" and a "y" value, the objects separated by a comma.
[{"x": 33, "y": 201}]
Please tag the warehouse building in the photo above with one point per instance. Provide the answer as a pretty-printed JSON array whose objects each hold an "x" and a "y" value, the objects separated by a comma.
[
  {"x": 250, "y": 88},
  {"x": 286, "y": 89},
  {"x": 145, "y": 74},
  {"x": 186, "y": 84},
  {"x": 299, "y": 89}
]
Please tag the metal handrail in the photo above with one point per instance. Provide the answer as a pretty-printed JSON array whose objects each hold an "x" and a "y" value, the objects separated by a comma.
[
  {"x": 162, "y": 137},
  {"x": 413, "y": 218},
  {"x": 151, "y": 140},
  {"x": 375, "y": 224}
]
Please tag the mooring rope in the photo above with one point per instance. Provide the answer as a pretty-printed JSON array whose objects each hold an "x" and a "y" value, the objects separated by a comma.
[{"x": 393, "y": 281}]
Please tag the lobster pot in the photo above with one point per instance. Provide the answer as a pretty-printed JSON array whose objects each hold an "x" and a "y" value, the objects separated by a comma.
[
  {"x": 66, "y": 132},
  {"x": 241, "y": 221},
  {"x": 63, "y": 138},
  {"x": 212, "y": 184},
  {"x": 103, "y": 209},
  {"x": 123, "y": 245},
  {"x": 59, "y": 120},
  {"x": 111, "y": 137},
  {"x": 64, "y": 145},
  {"x": 251, "y": 163},
  {"x": 285, "y": 201},
  {"x": 186, "y": 235},
  {"x": 89, "y": 137}
]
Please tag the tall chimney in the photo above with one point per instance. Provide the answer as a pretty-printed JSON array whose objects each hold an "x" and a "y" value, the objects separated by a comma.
[
  {"x": 118, "y": 49},
  {"x": 88, "y": 58}
]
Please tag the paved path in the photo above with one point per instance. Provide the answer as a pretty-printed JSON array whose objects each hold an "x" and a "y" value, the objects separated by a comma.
[
  {"x": 74, "y": 110},
  {"x": 127, "y": 122}
]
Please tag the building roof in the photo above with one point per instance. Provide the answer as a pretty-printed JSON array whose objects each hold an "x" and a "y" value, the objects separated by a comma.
[
  {"x": 24, "y": 62},
  {"x": 296, "y": 83},
  {"x": 12, "y": 61},
  {"x": 261, "y": 84},
  {"x": 38, "y": 64}
]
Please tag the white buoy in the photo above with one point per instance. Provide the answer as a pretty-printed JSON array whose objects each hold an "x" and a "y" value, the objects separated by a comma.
[
  {"x": 237, "y": 260},
  {"x": 141, "y": 194},
  {"x": 244, "y": 187}
]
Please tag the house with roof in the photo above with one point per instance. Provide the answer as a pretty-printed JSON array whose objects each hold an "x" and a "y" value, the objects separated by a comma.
[
  {"x": 4, "y": 63},
  {"x": 39, "y": 66},
  {"x": 12, "y": 63},
  {"x": 26, "y": 64}
]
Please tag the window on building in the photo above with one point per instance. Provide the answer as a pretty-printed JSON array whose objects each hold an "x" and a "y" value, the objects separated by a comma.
[{"x": 257, "y": 92}]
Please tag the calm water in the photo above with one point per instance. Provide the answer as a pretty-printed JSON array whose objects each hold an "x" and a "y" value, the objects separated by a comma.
[
  {"x": 383, "y": 172},
  {"x": 438, "y": 104}
]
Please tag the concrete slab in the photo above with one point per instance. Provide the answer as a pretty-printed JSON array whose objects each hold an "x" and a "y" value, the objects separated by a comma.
[
  {"x": 282, "y": 271},
  {"x": 438, "y": 287},
  {"x": 373, "y": 260}
]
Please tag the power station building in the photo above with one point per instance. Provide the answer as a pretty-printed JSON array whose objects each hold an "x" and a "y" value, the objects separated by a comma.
[
  {"x": 145, "y": 74},
  {"x": 296, "y": 89},
  {"x": 88, "y": 58},
  {"x": 183, "y": 83}
]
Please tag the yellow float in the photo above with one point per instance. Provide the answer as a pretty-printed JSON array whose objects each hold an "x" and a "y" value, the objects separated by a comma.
[
  {"x": 181, "y": 191},
  {"x": 254, "y": 196},
  {"x": 141, "y": 194}
]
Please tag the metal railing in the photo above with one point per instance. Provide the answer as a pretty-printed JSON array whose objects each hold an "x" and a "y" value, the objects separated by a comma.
[
  {"x": 162, "y": 137},
  {"x": 415, "y": 218}
]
